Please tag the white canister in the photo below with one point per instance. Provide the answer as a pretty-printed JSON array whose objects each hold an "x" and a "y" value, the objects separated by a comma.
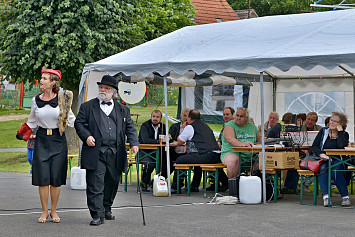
[
  {"x": 77, "y": 178},
  {"x": 160, "y": 187},
  {"x": 250, "y": 190}
]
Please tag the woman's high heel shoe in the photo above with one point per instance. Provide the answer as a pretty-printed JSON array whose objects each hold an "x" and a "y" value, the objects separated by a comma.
[
  {"x": 42, "y": 220},
  {"x": 55, "y": 220}
]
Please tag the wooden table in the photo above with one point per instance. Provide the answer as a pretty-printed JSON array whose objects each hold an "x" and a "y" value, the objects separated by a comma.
[
  {"x": 334, "y": 153},
  {"x": 258, "y": 148}
]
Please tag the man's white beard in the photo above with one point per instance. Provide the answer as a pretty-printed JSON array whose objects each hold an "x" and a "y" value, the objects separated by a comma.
[{"x": 105, "y": 96}]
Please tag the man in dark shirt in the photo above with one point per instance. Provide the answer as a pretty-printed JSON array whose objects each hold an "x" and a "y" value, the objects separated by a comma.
[
  {"x": 276, "y": 129},
  {"x": 149, "y": 134},
  {"x": 201, "y": 148}
]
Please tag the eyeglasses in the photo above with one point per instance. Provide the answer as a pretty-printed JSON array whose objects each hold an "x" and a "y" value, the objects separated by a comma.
[{"x": 334, "y": 121}]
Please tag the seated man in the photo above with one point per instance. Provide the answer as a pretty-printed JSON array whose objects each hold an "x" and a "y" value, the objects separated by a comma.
[
  {"x": 237, "y": 132},
  {"x": 276, "y": 129},
  {"x": 310, "y": 124},
  {"x": 201, "y": 148},
  {"x": 149, "y": 134},
  {"x": 228, "y": 115},
  {"x": 174, "y": 131},
  {"x": 273, "y": 119},
  {"x": 290, "y": 176}
]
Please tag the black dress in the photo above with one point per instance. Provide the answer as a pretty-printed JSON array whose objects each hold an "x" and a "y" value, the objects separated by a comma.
[{"x": 50, "y": 153}]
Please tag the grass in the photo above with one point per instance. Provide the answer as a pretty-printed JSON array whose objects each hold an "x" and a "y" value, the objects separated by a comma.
[
  {"x": 8, "y": 134},
  {"x": 17, "y": 162},
  {"x": 14, "y": 162},
  {"x": 14, "y": 112}
]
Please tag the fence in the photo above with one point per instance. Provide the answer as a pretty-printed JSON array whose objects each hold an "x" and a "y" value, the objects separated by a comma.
[{"x": 17, "y": 95}]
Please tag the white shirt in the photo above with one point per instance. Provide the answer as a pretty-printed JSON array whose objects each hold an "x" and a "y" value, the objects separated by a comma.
[
  {"x": 156, "y": 132},
  {"x": 46, "y": 117},
  {"x": 107, "y": 109},
  {"x": 187, "y": 133}
]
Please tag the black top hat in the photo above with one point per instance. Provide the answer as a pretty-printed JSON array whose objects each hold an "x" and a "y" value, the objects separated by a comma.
[{"x": 108, "y": 80}]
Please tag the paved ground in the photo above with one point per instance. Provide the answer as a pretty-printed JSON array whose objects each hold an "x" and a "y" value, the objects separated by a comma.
[
  {"x": 13, "y": 117},
  {"x": 166, "y": 216},
  {"x": 13, "y": 149}
]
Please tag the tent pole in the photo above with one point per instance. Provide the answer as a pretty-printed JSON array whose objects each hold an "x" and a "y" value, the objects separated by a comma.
[
  {"x": 262, "y": 134},
  {"x": 167, "y": 134}
]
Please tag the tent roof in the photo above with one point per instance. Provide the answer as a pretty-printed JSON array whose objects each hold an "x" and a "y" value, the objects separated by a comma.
[{"x": 278, "y": 43}]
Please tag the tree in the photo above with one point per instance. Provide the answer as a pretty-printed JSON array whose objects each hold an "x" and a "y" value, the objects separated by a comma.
[
  {"x": 279, "y": 7},
  {"x": 66, "y": 34}
]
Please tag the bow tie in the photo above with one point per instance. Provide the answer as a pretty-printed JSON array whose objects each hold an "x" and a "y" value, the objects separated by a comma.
[
  {"x": 106, "y": 103},
  {"x": 41, "y": 103}
]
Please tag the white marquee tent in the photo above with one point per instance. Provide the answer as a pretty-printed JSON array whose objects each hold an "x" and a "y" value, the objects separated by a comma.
[{"x": 314, "y": 46}]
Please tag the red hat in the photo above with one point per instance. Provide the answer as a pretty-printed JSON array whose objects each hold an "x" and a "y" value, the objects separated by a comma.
[{"x": 55, "y": 72}]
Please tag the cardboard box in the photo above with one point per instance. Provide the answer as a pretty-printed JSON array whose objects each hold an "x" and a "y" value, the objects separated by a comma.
[{"x": 280, "y": 160}]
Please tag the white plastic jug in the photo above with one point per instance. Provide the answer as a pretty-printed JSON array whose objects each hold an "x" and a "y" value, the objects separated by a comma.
[
  {"x": 77, "y": 178},
  {"x": 250, "y": 189},
  {"x": 160, "y": 187}
]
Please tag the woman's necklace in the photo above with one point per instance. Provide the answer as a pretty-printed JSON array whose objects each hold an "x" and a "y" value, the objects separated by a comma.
[
  {"x": 54, "y": 94},
  {"x": 332, "y": 135}
]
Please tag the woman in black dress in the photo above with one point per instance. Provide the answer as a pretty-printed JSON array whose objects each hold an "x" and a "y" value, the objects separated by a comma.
[{"x": 51, "y": 112}]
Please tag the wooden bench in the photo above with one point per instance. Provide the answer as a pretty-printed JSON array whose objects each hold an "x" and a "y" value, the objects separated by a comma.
[
  {"x": 308, "y": 175},
  {"x": 273, "y": 175},
  {"x": 185, "y": 170},
  {"x": 70, "y": 157},
  {"x": 211, "y": 171}
]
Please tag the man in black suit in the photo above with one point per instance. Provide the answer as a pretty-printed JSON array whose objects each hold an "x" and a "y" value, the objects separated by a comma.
[
  {"x": 103, "y": 126},
  {"x": 149, "y": 134}
]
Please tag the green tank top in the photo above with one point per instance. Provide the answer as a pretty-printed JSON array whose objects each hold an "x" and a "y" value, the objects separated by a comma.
[{"x": 247, "y": 133}]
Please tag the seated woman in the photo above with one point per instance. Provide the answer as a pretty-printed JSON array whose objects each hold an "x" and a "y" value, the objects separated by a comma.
[{"x": 333, "y": 137}]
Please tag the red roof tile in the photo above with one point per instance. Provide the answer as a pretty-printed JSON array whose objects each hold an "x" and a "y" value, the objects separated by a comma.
[{"x": 207, "y": 11}]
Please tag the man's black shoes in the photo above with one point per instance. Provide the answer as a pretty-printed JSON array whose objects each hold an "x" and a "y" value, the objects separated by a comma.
[
  {"x": 109, "y": 215},
  {"x": 174, "y": 191},
  {"x": 144, "y": 187},
  {"x": 97, "y": 221}
]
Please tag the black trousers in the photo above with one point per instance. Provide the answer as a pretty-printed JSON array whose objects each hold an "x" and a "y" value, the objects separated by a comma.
[
  {"x": 195, "y": 158},
  {"x": 102, "y": 184}
]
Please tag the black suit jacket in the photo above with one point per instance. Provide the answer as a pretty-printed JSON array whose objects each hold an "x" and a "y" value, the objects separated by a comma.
[
  {"x": 146, "y": 133},
  {"x": 86, "y": 124}
]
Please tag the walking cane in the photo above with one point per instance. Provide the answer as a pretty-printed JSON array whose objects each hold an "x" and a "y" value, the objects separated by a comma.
[{"x": 139, "y": 186}]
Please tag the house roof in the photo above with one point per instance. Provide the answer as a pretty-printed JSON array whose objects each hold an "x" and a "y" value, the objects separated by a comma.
[
  {"x": 243, "y": 14},
  {"x": 208, "y": 11}
]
